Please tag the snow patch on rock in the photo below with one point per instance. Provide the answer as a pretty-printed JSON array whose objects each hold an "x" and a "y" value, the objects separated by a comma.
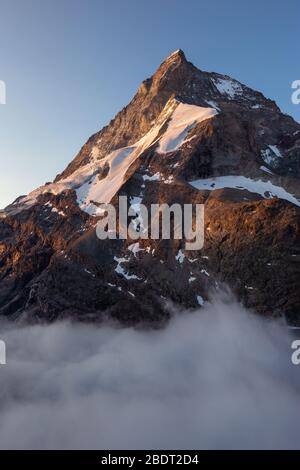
[
  {"x": 120, "y": 270},
  {"x": 227, "y": 86},
  {"x": 200, "y": 300},
  {"x": 265, "y": 188},
  {"x": 155, "y": 177},
  {"x": 271, "y": 155},
  {"x": 266, "y": 170},
  {"x": 180, "y": 256},
  {"x": 135, "y": 248}
]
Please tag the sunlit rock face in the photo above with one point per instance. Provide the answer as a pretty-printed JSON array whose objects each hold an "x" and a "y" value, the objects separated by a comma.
[{"x": 187, "y": 137}]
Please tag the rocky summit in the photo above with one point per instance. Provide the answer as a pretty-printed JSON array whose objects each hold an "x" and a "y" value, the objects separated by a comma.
[{"x": 188, "y": 137}]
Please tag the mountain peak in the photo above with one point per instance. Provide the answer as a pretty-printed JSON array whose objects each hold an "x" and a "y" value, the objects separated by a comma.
[
  {"x": 172, "y": 74},
  {"x": 187, "y": 136},
  {"x": 176, "y": 77},
  {"x": 177, "y": 57},
  {"x": 178, "y": 53}
]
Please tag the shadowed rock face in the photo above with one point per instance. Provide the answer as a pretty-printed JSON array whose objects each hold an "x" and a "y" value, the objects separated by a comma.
[{"x": 52, "y": 265}]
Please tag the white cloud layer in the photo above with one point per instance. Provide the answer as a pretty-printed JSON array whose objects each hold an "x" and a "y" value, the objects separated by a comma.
[{"x": 218, "y": 378}]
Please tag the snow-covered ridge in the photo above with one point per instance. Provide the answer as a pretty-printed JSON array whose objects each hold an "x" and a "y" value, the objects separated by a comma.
[
  {"x": 173, "y": 54},
  {"x": 184, "y": 118},
  {"x": 95, "y": 186},
  {"x": 265, "y": 188}
]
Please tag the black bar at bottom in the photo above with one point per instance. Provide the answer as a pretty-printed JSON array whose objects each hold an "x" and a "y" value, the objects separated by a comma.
[{"x": 135, "y": 459}]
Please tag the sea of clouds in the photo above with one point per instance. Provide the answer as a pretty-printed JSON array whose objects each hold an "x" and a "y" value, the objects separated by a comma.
[{"x": 212, "y": 379}]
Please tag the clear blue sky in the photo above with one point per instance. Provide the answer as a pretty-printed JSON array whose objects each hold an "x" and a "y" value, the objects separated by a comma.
[{"x": 70, "y": 65}]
